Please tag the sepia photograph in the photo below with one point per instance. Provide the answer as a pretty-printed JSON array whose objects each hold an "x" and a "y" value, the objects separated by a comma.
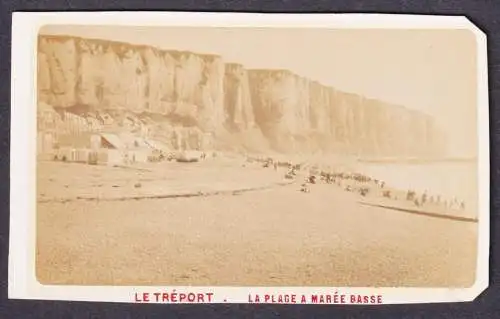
[{"x": 257, "y": 156}]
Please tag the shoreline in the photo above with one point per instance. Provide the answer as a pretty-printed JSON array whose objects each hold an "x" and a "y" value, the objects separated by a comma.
[
  {"x": 150, "y": 184},
  {"x": 417, "y": 160}
]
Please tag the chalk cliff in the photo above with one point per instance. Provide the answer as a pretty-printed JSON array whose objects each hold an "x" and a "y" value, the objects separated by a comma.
[{"x": 192, "y": 94}]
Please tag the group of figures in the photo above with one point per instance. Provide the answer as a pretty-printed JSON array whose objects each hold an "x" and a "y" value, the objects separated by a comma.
[{"x": 359, "y": 183}]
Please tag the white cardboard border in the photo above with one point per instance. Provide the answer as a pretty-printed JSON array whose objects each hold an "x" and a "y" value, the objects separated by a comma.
[{"x": 25, "y": 26}]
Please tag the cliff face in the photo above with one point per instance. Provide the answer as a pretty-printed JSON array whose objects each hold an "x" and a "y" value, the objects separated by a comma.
[
  {"x": 106, "y": 75},
  {"x": 238, "y": 107},
  {"x": 200, "y": 95}
]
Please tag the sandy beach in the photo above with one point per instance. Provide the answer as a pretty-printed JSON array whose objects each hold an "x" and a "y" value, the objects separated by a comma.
[{"x": 104, "y": 230}]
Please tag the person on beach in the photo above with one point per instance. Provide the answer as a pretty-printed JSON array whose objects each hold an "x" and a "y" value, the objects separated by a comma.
[
  {"x": 304, "y": 188},
  {"x": 290, "y": 174},
  {"x": 424, "y": 197},
  {"x": 363, "y": 191},
  {"x": 330, "y": 179},
  {"x": 312, "y": 179},
  {"x": 410, "y": 195}
]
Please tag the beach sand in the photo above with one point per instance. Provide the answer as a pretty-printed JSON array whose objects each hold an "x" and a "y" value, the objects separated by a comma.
[{"x": 270, "y": 235}]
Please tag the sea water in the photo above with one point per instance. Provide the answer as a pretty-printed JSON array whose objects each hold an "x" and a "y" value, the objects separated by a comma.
[{"x": 450, "y": 180}]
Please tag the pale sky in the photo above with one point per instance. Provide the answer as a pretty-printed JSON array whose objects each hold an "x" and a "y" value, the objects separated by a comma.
[{"x": 433, "y": 71}]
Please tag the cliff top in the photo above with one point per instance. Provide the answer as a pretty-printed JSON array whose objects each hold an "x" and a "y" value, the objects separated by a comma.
[{"x": 120, "y": 46}]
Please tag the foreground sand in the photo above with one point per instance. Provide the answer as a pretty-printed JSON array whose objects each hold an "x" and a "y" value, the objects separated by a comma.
[{"x": 274, "y": 235}]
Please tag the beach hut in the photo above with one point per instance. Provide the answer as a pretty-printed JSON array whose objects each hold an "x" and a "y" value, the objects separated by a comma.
[
  {"x": 95, "y": 141},
  {"x": 93, "y": 157},
  {"x": 110, "y": 157},
  {"x": 81, "y": 155},
  {"x": 111, "y": 149}
]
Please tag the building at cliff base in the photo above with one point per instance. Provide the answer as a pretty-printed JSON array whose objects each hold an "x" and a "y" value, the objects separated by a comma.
[{"x": 104, "y": 149}]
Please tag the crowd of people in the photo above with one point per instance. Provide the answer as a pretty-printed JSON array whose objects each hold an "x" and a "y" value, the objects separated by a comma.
[{"x": 359, "y": 183}]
